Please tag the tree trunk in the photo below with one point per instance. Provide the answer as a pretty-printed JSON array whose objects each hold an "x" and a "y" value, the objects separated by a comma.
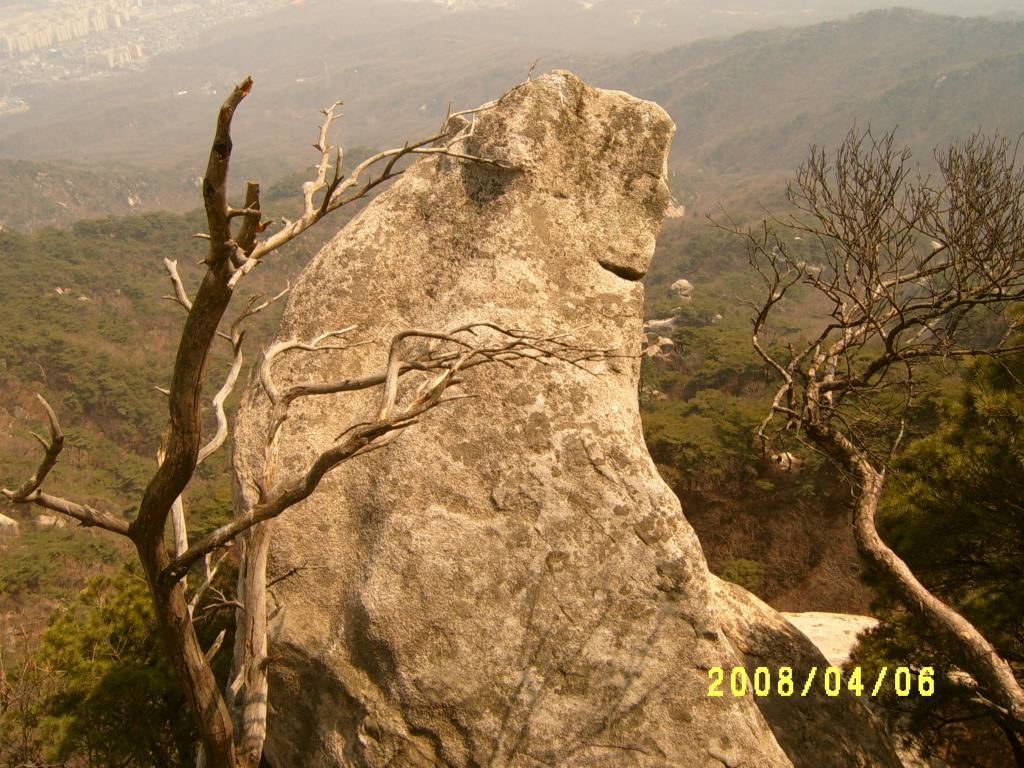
[
  {"x": 975, "y": 653},
  {"x": 148, "y": 530},
  {"x": 251, "y": 643},
  {"x": 194, "y": 673},
  {"x": 1015, "y": 746}
]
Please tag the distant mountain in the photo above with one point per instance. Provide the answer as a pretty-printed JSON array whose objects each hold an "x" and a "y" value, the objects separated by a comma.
[{"x": 747, "y": 106}]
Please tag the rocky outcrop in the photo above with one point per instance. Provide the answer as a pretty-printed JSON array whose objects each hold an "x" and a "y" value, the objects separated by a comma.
[
  {"x": 654, "y": 345},
  {"x": 834, "y": 634},
  {"x": 816, "y": 730},
  {"x": 509, "y": 582},
  {"x": 682, "y": 289},
  {"x": 662, "y": 327}
]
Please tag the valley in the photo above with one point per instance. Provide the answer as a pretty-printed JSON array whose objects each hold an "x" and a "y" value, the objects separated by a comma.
[{"x": 100, "y": 180}]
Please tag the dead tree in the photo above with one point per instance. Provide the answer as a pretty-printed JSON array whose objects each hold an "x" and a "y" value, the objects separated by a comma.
[
  {"x": 234, "y": 250},
  {"x": 906, "y": 263}
]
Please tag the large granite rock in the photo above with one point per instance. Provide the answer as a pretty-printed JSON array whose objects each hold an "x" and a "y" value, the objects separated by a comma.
[
  {"x": 509, "y": 583},
  {"x": 834, "y": 634},
  {"x": 817, "y": 730}
]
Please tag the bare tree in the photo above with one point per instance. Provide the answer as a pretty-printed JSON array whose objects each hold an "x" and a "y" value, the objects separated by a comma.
[
  {"x": 907, "y": 262},
  {"x": 234, "y": 250},
  {"x": 25, "y": 682}
]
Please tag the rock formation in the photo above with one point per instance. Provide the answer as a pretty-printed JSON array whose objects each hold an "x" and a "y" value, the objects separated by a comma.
[
  {"x": 834, "y": 634},
  {"x": 662, "y": 327},
  {"x": 654, "y": 345},
  {"x": 817, "y": 730},
  {"x": 682, "y": 289},
  {"x": 509, "y": 582},
  {"x": 9, "y": 525}
]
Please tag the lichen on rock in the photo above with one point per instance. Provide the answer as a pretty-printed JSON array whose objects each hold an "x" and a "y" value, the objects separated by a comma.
[{"x": 509, "y": 582}]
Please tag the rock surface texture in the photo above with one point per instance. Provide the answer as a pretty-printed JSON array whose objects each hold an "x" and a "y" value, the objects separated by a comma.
[
  {"x": 816, "y": 730},
  {"x": 835, "y": 634},
  {"x": 509, "y": 583}
]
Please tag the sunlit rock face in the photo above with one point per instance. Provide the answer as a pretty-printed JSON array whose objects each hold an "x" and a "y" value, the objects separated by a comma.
[
  {"x": 509, "y": 583},
  {"x": 820, "y": 724}
]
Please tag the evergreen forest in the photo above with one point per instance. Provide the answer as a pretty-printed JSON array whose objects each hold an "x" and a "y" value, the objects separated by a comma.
[{"x": 85, "y": 322}]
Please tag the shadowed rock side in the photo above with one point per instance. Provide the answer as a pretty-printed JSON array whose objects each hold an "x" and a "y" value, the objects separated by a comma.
[
  {"x": 509, "y": 583},
  {"x": 816, "y": 730}
]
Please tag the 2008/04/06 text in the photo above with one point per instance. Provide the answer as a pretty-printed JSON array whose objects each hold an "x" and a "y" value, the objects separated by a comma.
[{"x": 739, "y": 682}]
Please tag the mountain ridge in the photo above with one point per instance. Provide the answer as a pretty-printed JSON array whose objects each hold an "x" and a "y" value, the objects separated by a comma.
[{"x": 747, "y": 107}]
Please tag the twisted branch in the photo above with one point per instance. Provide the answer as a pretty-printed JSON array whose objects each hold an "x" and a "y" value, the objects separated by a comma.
[{"x": 29, "y": 493}]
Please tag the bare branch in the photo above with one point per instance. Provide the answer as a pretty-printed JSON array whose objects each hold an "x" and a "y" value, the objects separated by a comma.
[
  {"x": 29, "y": 493},
  {"x": 53, "y": 449},
  {"x": 215, "y": 183},
  {"x": 906, "y": 264},
  {"x": 518, "y": 345},
  {"x": 215, "y": 646},
  {"x": 340, "y": 189},
  {"x": 86, "y": 515},
  {"x": 180, "y": 295},
  {"x": 209, "y": 572}
]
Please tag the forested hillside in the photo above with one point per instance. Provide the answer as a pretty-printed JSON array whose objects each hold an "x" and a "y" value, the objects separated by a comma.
[
  {"x": 747, "y": 108},
  {"x": 84, "y": 322},
  {"x": 37, "y": 193}
]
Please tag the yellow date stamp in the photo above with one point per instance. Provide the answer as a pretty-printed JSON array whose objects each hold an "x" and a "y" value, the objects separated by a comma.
[{"x": 785, "y": 682}]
